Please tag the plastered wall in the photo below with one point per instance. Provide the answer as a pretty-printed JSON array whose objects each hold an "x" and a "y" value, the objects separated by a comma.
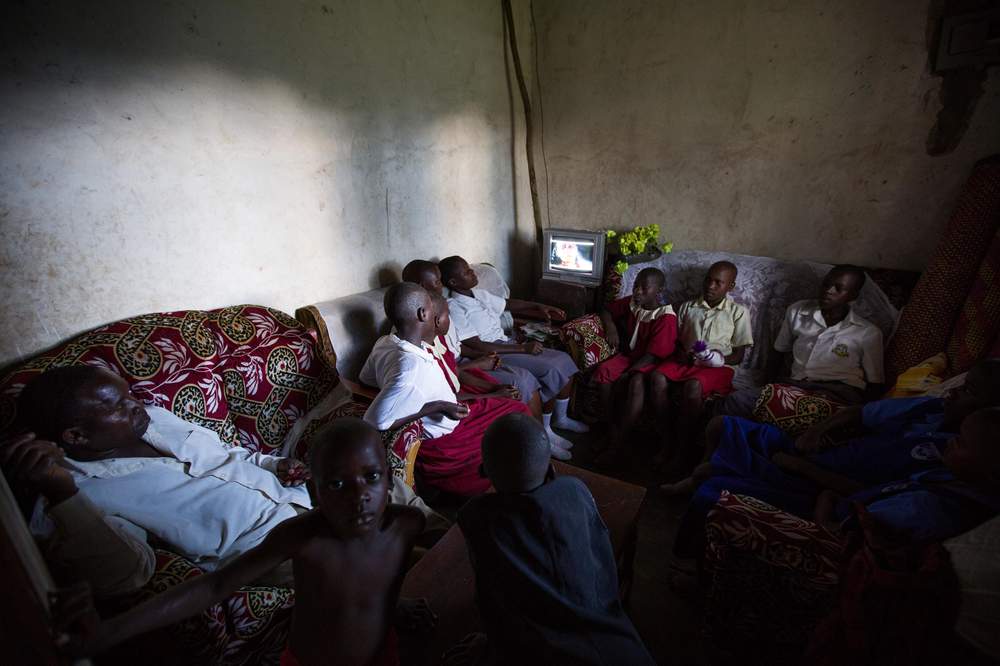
[
  {"x": 168, "y": 155},
  {"x": 794, "y": 129}
]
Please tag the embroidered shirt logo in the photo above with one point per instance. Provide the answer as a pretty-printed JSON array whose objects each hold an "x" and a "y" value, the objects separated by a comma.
[
  {"x": 925, "y": 451},
  {"x": 841, "y": 350}
]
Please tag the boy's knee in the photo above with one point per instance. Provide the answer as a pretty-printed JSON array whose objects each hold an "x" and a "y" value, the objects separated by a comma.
[
  {"x": 692, "y": 389},
  {"x": 636, "y": 383}
]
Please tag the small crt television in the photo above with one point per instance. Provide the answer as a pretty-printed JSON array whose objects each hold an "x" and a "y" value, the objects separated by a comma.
[{"x": 573, "y": 256}]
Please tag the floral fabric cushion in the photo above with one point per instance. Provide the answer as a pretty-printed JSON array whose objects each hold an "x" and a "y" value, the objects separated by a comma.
[
  {"x": 585, "y": 342},
  {"x": 401, "y": 445},
  {"x": 792, "y": 409},
  {"x": 247, "y": 372},
  {"x": 249, "y": 627}
]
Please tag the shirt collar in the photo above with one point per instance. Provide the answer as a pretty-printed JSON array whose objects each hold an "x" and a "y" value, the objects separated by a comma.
[
  {"x": 814, "y": 312},
  {"x": 410, "y": 348},
  {"x": 702, "y": 303}
]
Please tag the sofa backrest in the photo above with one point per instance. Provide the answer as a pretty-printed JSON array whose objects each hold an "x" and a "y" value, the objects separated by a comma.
[{"x": 247, "y": 372}]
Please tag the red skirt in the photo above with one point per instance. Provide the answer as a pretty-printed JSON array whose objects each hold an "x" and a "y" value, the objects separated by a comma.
[
  {"x": 451, "y": 462},
  {"x": 611, "y": 369},
  {"x": 480, "y": 374},
  {"x": 712, "y": 380}
]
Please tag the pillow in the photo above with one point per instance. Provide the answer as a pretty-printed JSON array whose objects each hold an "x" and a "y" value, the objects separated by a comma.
[
  {"x": 792, "y": 409},
  {"x": 401, "y": 444},
  {"x": 585, "y": 342}
]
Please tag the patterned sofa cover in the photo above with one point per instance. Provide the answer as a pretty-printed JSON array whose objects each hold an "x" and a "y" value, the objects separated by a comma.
[{"x": 254, "y": 375}]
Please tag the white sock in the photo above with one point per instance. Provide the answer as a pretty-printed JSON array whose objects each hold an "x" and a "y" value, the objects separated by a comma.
[
  {"x": 563, "y": 420},
  {"x": 556, "y": 441}
]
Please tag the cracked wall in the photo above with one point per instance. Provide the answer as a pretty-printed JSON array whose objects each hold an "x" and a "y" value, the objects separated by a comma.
[{"x": 789, "y": 129}]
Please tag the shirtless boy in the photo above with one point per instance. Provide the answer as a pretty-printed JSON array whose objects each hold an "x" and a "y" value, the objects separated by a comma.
[{"x": 338, "y": 619}]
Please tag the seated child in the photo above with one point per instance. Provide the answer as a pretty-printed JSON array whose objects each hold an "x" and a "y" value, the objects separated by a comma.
[
  {"x": 477, "y": 364},
  {"x": 415, "y": 383},
  {"x": 651, "y": 331},
  {"x": 337, "y": 619},
  {"x": 835, "y": 352},
  {"x": 475, "y": 313},
  {"x": 714, "y": 335},
  {"x": 546, "y": 581}
]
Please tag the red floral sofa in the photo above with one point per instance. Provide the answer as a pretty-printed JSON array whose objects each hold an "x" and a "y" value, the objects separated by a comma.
[{"x": 249, "y": 373}]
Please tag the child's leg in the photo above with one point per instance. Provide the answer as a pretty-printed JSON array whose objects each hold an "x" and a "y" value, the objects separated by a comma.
[
  {"x": 634, "y": 399},
  {"x": 689, "y": 415}
]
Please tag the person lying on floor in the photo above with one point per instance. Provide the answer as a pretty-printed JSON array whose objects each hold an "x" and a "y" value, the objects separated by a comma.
[
  {"x": 475, "y": 363},
  {"x": 338, "y": 619},
  {"x": 546, "y": 582},
  {"x": 713, "y": 335},
  {"x": 475, "y": 313},
  {"x": 835, "y": 352},
  {"x": 415, "y": 383},
  {"x": 651, "y": 333},
  {"x": 878, "y": 443},
  {"x": 112, "y": 471}
]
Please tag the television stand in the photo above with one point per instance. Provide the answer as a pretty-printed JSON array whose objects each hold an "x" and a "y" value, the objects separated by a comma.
[{"x": 576, "y": 299}]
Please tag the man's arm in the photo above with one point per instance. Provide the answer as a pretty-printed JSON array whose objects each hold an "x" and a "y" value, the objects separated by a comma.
[
  {"x": 197, "y": 594},
  {"x": 110, "y": 553}
]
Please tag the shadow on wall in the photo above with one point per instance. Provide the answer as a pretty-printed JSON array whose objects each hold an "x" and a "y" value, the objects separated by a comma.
[{"x": 300, "y": 144}]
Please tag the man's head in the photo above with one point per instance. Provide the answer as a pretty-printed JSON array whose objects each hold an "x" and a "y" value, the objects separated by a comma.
[
  {"x": 974, "y": 454},
  {"x": 841, "y": 286},
  {"x": 457, "y": 274},
  {"x": 86, "y": 410},
  {"x": 349, "y": 476},
  {"x": 408, "y": 307},
  {"x": 515, "y": 453},
  {"x": 647, "y": 287},
  {"x": 425, "y": 273},
  {"x": 719, "y": 280},
  {"x": 442, "y": 316},
  {"x": 980, "y": 390}
]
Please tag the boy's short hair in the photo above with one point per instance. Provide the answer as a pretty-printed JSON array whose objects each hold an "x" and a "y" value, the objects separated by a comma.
[
  {"x": 727, "y": 265},
  {"x": 401, "y": 300},
  {"x": 449, "y": 267},
  {"x": 416, "y": 269},
  {"x": 332, "y": 436},
  {"x": 851, "y": 269},
  {"x": 515, "y": 453},
  {"x": 47, "y": 405},
  {"x": 651, "y": 273}
]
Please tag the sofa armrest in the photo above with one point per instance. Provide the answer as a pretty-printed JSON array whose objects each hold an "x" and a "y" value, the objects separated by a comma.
[
  {"x": 310, "y": 317},
  {"x": 360, "y": 390}
]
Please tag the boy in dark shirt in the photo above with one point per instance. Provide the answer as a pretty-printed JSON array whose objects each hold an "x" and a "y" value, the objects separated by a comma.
[
  {"x": 546, "y": 579},
  {"x": 338, "y": 619}
]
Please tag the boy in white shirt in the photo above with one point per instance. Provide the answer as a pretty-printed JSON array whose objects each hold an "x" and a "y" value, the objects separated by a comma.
[
  {"x": 835, "y": 352},
  {"x": 475, "y": 314}
]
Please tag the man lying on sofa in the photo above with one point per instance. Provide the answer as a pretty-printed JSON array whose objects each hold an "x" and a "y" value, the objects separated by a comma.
[{"x": 112, "y": 471}]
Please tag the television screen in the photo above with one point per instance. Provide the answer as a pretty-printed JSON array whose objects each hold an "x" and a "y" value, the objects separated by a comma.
[{"x": 571, "y": 254}]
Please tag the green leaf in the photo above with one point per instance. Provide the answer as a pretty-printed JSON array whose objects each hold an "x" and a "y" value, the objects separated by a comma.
[{"x": 621, "y": 266}]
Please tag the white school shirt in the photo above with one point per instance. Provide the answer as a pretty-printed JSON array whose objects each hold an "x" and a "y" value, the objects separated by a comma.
[
  {"x": 477, "y": 315},
  {"x": 208, "y": 502},
  {"x": 723, "y": 327},
  {"x": 850, "y": 351},
  {"x": 408, "y": 377}
]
